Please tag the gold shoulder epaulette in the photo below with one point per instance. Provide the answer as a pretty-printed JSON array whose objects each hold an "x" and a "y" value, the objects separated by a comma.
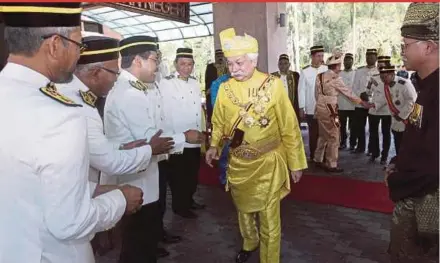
[
  {"x": 51, "y": 91},
  {"x": 89, "y": 98},
  {"x": 169, "y": 77},
  {"x": 401, "y": 81},
  {"x": 138, "y": 85},
  {"x": 276, "y": 74},
  {"x": 306, "y": 67}
]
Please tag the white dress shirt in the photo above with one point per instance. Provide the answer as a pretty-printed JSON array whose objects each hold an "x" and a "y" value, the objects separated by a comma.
[
  {"x": 183, "y": 104},
  {"x": 343, "y": 102},
  {"x": 404, "y": 96},
  {"x": 47, "y": 211},
  {"x": 283, "y": 78},
  {"x": 128, "y": 116},
  {"x": 306, "y": 88}
]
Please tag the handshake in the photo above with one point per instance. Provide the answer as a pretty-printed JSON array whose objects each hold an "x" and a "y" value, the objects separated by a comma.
[{"x": 162, "y": 145}]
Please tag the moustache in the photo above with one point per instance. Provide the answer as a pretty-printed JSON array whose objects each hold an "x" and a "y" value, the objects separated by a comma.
[{"x": 237, "y": 74}]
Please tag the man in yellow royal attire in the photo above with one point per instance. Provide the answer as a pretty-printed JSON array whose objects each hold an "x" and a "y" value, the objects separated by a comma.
[{"x": 254, "y": 113}]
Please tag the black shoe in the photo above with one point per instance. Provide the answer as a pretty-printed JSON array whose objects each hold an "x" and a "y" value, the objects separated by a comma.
[
  {"x": 243, "y": 256},
  {"x": 372, "y": 159},
  {"x": 369, "y": 154},
  {"x": 197, "y": 206},
  {"x": 162, "y": 252},
  {"x": 352, "y": 148},
  {"x": 359, "y": 151},
  {"x": 334, "y": 170},
  {"x": 383, "y": 161},
  {"x": 170, "y": 239},
  {"x": 186, "y": 214}
]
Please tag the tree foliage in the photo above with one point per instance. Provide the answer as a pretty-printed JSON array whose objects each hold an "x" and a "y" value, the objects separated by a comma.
[{"x": 376, "y": 25}]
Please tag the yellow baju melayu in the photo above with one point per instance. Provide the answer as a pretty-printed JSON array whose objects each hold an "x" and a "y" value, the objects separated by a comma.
[{"x": 258, "y": 172}]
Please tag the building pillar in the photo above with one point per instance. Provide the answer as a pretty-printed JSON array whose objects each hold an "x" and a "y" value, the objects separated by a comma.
[{"x": 258, "y": 20}]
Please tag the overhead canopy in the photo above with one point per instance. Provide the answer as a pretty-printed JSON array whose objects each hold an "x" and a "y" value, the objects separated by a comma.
[{"x": 129, "y": 23}]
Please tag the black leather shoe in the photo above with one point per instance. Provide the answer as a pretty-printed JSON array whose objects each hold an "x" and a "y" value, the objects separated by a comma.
[
  {"x": 162, "y": 252},
  {"x": 170, "y": 239},
  {"x": 243, "y": 256},
  {"x": 186, "y": 214},
  {"x": 334, "y": 170},
  {"x": 372, "y": 159},
  {"x": 197, "y": 206}
]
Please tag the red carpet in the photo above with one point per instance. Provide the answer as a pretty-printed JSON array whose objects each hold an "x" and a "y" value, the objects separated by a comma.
[{"x": 333, "y": 190}]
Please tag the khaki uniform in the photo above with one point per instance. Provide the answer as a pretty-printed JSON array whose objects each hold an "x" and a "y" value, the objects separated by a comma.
[{"x": 326, "y": 112}]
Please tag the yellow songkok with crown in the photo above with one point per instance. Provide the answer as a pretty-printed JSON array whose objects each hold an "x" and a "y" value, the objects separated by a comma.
[{"x": 233, "y": 45}]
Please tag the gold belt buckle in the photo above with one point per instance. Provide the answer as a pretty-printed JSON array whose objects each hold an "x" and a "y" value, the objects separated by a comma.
[{"x": 245, "y": 152}]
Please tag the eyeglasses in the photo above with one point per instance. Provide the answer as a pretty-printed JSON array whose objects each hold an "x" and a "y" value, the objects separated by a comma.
[
  {"x": 404, "y": 45},
  {"x": 117, "y": 73},
  {"x": 81, "y": 46}
]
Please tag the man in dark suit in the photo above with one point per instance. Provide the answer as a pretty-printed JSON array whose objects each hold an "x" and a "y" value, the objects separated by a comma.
[
  {"x": 213, "y": 72},
  {"x": 290, "y": 79}
]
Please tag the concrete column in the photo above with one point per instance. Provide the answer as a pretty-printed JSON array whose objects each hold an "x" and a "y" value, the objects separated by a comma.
[{"x": 258, "y": 20}]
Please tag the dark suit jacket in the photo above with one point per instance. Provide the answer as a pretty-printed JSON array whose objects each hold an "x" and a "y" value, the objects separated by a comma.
[{"x": 292, "y": 82}]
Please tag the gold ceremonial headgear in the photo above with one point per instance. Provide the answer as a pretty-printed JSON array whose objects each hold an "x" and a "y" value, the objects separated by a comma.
[{"x": 233, "y": 45}]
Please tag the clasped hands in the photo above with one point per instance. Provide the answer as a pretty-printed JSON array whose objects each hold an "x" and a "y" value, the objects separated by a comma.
[{"x": 162, "y": 145}]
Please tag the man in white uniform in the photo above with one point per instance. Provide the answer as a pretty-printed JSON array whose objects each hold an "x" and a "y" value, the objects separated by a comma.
[
  {"x": 96, "y": 73},
  {"x": 400, "y": 96},
  {"x": 361, "y": 78},
  {"x": 44, "y": 160},
  {"x": 182, "y": 100},
  {"x": 129, "y": 116},
  {"x": 306, "y": 94},
  {"x": 379, "y": 114},
  {"x": 346, "y": 107}
]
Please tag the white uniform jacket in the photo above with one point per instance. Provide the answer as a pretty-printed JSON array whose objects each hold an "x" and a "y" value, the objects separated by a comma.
[
  {"x": 378, "y": 98},
  {"x": 182, "y": 101},
  {"x": 403, "y": 95},
  {"x": 348, "y": 78},
  {"x": 105, "y": 155},
  {"x": 128, "y": 116},
  {"x": 306, "y": 88},
  {"x": 361, "y": 78},
  {"x": 44, "y": 165}
]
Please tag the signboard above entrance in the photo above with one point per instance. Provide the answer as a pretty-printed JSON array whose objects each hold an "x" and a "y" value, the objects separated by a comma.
[{"x": 175, "y": 11}]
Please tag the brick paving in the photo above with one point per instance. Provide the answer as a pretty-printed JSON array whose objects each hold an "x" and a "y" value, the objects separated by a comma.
[{"x": 311, "y": 233}]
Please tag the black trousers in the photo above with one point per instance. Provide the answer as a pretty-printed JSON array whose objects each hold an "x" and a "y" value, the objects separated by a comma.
[
  {"x": 163, "y": 183},
  {"x": 385, "y": 122},
  {"x": 359, "y": 122},
  {"x": 312, "y": 125},
  {"x": 140, "y": 235},
  {"x": 397, "y": 140},
  {"x": 347, "y": 116},
  {"x": 183, "y": 178}
]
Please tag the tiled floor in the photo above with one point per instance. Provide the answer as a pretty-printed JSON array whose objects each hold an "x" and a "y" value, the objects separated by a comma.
[{"x": 311, "y": 233}]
